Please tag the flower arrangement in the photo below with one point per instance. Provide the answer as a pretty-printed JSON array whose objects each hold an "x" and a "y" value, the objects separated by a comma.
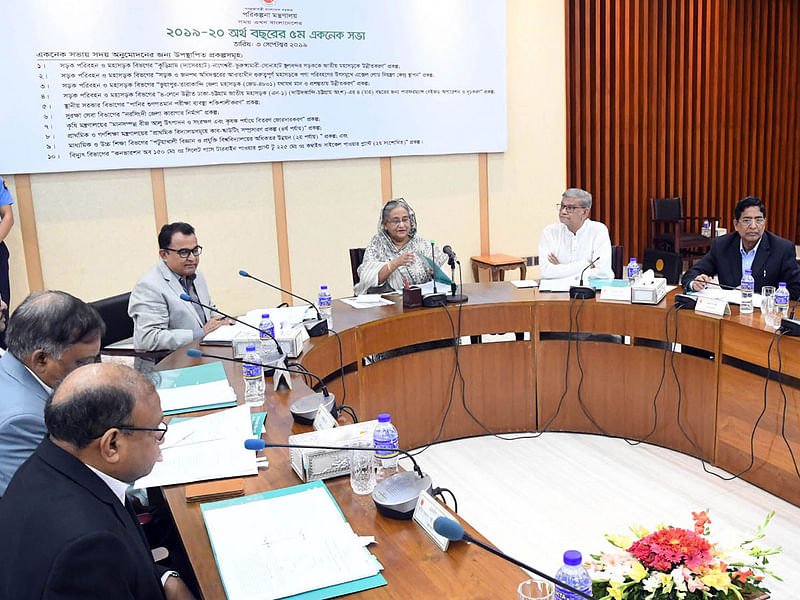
[{"x": 672, "y": 563}]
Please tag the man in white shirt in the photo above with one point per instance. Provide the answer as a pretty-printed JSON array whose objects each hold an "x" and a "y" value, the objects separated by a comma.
[{"x": 569, "y": 246}]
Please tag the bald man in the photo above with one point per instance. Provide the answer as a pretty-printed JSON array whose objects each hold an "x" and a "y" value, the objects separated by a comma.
[{"x": 68, "y": 530}]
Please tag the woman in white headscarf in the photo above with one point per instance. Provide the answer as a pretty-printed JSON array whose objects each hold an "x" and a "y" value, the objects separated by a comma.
[{"x": 394, "y": 254}]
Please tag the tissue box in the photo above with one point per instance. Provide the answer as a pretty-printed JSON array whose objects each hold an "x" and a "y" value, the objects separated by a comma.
[
  {"x": 291, "y": 340},
  {"x": 311, "y": 465}
]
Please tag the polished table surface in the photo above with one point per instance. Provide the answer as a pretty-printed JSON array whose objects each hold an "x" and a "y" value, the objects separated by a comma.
[{"x": 611, "y": 384}]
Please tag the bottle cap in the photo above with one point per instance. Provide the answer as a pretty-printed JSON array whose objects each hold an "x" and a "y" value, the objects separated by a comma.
[
  {"x": 323, "y": 287},
  {"x": 572, "y": 558},
  {"x": 633, "y": 259},
  {"x": 384, "y": 418},
  {"x": 782, "y": 284},
  {"x": 250, "y": 348},
  {"x": 265, "y": 316}
]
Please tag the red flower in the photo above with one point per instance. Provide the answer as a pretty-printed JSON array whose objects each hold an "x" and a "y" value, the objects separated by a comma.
[
  {"x": 742, "y": 575},
  {"x": 700, "y": 520},
  {"x": 667, "y": 548}
]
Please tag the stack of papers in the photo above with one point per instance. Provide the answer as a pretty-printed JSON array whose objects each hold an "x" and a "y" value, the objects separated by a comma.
[
  {"x": 367, "y": 301},
  {"x": 209, "y": 447},
  {"x": 288, "y": 542},
  {"x": 194, "y": 388}
]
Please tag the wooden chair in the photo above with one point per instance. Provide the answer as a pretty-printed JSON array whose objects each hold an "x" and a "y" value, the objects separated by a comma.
[
  {"x": 671, "y": 231},
  {"x": 356, "y": 258},
  {"x": 498, "y": 264}
]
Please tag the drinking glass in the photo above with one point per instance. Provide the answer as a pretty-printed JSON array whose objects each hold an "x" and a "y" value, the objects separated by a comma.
[
  {"x": 535, "y": 589},
  {"x": 362, "y": 468},
  {"x": 768, "y": 308}
]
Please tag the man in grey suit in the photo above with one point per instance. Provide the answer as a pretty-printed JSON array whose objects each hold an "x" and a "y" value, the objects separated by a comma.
[
  {"x": 49, "y": 335},
  {"x": 161, "y": 319}
]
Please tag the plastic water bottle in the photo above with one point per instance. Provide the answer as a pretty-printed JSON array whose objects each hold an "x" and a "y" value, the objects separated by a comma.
[
  {"x": 748, "y": 285},
  {"x": 706, "y": 231},
  {"x": 324, "y": 303},
  {"x": 385, "y": 437},
  {"x": 633, "y": 271},
  {"x": 269, "y": 350},
  {"x": 781, "y": 302},
  {"x": 575, "y": 574},
  {"x": 253, "y": 377}
]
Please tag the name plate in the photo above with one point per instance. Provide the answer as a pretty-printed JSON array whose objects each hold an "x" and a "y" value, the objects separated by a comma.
[
  {"x": 712, "y": 306},
  {"x": 620, "y": 294},
  {"x": 324, "y": 419},
  {"x": 425, "y": 514}
]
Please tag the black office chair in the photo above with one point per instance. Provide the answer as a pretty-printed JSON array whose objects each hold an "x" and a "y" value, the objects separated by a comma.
[
  {"x": 618, "y": 260},
  {"x": 664, "y": 264},
  {"x": 119, "y": 326},
  {"x": 672, "y": 231},
  {"x": 356, "y": 258}
]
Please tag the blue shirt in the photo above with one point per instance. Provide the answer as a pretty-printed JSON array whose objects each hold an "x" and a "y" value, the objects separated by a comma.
[
  {"x": 5, "y": 195},
  {"x": 747, "y": 257}
]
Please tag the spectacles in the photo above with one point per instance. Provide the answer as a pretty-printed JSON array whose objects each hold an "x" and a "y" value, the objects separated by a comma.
[
  {"x": 185, "y": 252},
  {"x": 161, "y": 429},
  {"x": 396, "y": 222},
  {"x": 750, "y": 220},
  {"x": 567, "y": 207}
]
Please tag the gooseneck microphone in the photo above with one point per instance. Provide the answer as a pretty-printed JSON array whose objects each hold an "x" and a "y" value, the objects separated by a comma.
[
  {"x": 315, "y": 327},
  {"x": 303, "y": 410},
  {"x": 394, "y": 497},
  {"x": 188, "y": 298},
  {"x": 580, "y": 291},
  {"x": 453, "y": 297},
  {"x": 454, "y": 532}
]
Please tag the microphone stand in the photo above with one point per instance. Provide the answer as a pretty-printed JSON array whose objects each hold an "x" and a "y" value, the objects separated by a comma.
[
  {"x": 583, "y": 292},
  {"x": 436, "y": 298},
  {"x": 454, "y": 297},
  {"x": 315, "y": 327}
]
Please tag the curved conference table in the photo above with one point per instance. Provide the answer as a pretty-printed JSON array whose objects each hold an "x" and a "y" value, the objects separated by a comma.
[{"x": 403, "y": 361}]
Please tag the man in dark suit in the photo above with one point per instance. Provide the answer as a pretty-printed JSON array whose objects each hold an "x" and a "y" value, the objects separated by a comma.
[
  {"x": 68, "y": 531},
  {"x": 769, "y": 257}
]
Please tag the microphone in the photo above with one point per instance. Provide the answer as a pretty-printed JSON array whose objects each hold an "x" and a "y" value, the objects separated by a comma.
[
  {"x": 188, "y": 298},
  {"x": 435, "y": 298},
  {"x": 394, "y": 497},
  {"x": 315, "y": 327},
  {"x": 453, "y": 297},
  {"x": 303, "y": 410},
  {"x": 454, "y": 532},
  {"x": 580, "y": 291}
]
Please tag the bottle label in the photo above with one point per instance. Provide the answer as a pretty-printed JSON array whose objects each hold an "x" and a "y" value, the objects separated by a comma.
[
  {"x": 782, "y": 300},
  {"x": 632, "y": 271},
  {"x": 390, "y": 448},
  {"x": 325, "y": 301},
  {"x": 252, "y": 371},
  {"x": 266, "y": 333},
  {"x": 748, "y": 285}
]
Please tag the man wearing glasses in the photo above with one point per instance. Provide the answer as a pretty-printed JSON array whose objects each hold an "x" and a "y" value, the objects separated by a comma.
[
  {"x": 68, "y": 530},
  {"x": 769, "y": 257},
  {"x": 162, "y": 321},
  {"x": 49, "y": 335},
  {"x": 569, "y": 246}
]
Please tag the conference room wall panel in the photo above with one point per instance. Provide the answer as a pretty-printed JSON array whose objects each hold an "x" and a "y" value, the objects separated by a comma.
[
  {"x": 693, "y": 98},
  {"x": 526, "y": 181},
  {"x": 331, "y": 206},
  {"x": 443, "y": 191},
  {"x": 94, "y": 230},
  {"x": 232, "y": 210}
]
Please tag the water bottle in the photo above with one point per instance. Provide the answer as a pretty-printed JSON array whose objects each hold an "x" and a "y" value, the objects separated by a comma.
[
  {"x": 324, "y": 303},
  {"x": 748, "y": 285},
  {"x": 253, "y": 377},
  {"x": 633, "y": 271},
  {"x": 269, "y": 350},
  {"x": 706, "y": 231},
  {"x": 781, "y": 302},
  {"x": 575, "y": 574},
  {"x": 385, "y": 437}
]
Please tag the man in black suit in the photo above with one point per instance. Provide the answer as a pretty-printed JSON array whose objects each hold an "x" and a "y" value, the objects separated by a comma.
[
  {"x": 68, "y": 531},
  {"x": 769, "y": 257}
]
